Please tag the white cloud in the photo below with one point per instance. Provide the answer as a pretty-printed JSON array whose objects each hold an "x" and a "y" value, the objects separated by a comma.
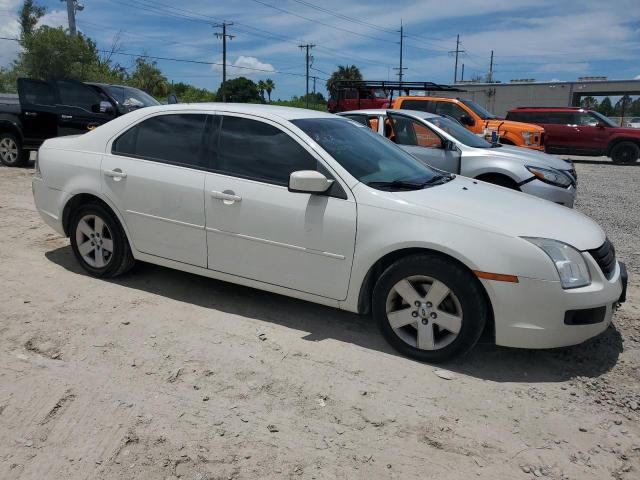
[
  {"x": 54, "y": 18},
  {"x": 637, "y": 77},
  {"x": 245, "y": 67}
]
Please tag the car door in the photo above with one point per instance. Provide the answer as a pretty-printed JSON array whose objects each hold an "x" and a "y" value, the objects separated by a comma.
[
  {"x": 560, "y": 132},
  {"x": 258, "y": 229},
  {"x": 593, "y": 135},
  {"x": 154, "y": 175},
  {"x": 39, "y": 119},
  {"x": 419, "y": 140},
  {"x": 79, "y": 108}
]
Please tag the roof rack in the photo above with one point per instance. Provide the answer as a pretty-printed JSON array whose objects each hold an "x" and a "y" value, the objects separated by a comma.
[{"x": 388, "y": 85}]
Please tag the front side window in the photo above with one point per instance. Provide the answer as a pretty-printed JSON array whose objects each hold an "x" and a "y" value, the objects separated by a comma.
[
  {"x": 259, "y": 151},
  {"x": 584, "y": 119},
  {"x": 483, "y": 113},
  {"x": 174, "y": 139},
  {"x": 75, "y": 94},
  {"x": 452, "y": 110},
  {"x": 458, "y": 132},
  {"x": 367, "y": 156},
  {"x": 411, "y": 132}
]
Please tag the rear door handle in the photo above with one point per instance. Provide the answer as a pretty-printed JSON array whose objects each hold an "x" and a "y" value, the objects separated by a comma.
[
  {"x": 116, "y": 174},
  {"x": 227, "y": 196},
  {"x": 66, "y": 117}
]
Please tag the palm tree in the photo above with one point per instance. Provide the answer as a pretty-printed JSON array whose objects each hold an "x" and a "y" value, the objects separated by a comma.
[
  {"x": 348, "y": 72},
  {"x": 269, "y": 86},
  {"x": 261, "y": 88}
]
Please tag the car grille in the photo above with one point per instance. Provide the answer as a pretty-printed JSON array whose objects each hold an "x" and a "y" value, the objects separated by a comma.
[{"x": 605, "y": 257}]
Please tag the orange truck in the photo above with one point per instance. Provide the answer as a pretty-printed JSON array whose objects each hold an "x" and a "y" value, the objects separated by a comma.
[{"x": 477, "y": 119}]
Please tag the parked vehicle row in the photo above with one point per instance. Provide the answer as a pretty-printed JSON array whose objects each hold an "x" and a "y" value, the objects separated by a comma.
[
  {"x": 578, "y": 131},
  {"x": 60, "y": 107},
  {"x": 441, "y": 142},
  {"x": 321, "y": 208}
]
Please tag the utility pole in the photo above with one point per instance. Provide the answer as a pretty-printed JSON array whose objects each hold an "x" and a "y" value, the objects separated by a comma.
[
  {"x": 462, "y": 75},
  {"x": 491, "y": 68},
  {"x": 457, "y": 51},
  {"x": 401, "y": 69},
  {"x": 73, "y": 6},
  {"x": 224, "y": 37},
  {"x": 307, "y": 48}
]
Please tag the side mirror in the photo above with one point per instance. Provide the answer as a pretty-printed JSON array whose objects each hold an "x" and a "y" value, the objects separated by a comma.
[
  {"x": 600, "y": 125},
  {"x": 172, "y": 99},
  {"x": 467, "y": 121},
  {"x": 449, "y": 145},
  {"x": 102, "y": 107},
  {"x": 309, "y": 181}
]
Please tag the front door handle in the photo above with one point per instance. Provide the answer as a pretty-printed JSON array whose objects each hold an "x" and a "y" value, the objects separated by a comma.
[
  {"x": 228, "y": 196},
  {"x": 66, "y": 117},
  {"x": 116, "y": 174},
  {"x": 31, "y": 114}
]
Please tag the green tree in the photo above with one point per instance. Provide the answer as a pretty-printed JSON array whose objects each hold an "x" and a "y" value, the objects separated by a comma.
[
  {"x": 189, "y": 94},
  {"x": 605, "y": 107},
  {"x": 30, "y": 14},
  {"x": 348, "y": 72},
  {"x": 589, "y": 102},
  {"x": 622, "y": 106},
  {"x": 148, "y": 77},
  {"x": 261, "y": 88},
  {"x": 239, "y": 90},
  {"x": 52, "y": 52},
  {"x": 269, "y": 86}
]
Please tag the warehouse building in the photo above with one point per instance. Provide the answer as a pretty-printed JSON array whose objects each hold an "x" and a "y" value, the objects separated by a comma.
[{"x": 498, "y": 98}]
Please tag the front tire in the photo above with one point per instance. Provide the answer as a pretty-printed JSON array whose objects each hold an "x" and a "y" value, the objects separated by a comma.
[
  {"x": 11, "y": 153},
  {"x": 625, "y": 153},
  {"x": 99, "y": 242},
  {"x": 429, "y": 307}
]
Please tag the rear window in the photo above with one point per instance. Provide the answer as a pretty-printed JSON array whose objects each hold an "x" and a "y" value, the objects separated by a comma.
[
  {"x": 420, "y": 105},
  {"x": 541, "y": 117}
]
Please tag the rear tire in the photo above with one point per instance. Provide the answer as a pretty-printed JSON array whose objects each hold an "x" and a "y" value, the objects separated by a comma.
[
  {"x": 99, "y": 242},
  {"x": 429, "y": 307},
  {"x": 11, "y": 153},
  {"x": 625, "y": 153}
]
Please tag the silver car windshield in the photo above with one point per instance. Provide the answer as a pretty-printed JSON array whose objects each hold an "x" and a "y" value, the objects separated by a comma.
[{"x": 458, "y": 132}]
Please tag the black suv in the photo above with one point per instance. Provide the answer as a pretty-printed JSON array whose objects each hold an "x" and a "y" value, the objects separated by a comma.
[{"x": 60, "y": 107}]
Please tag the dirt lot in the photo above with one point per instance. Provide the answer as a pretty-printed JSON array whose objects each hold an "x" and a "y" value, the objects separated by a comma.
[{"x": 163, "y": 375}]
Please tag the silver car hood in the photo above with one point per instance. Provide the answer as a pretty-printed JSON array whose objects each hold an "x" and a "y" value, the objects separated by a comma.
[
  {"x": 524, "y": 156},
  {"x": 505, "y": 211}
]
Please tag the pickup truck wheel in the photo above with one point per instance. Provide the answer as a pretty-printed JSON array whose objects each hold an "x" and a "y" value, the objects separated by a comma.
[
  {"x": 11, "y": 153},
  {"x": 429, "y": 307},
  {"x": 99, "y": 242},
  {"x": 625, "y": 152}
]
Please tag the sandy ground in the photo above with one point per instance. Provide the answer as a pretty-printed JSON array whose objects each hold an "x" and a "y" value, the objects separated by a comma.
[{"x": 162, "y": 375}]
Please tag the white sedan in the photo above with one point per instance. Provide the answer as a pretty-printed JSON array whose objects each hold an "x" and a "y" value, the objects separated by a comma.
[{"x": 313, "y": 206}]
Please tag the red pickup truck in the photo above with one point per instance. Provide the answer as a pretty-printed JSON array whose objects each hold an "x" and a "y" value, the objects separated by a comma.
[{"x": 577, "y": 131}]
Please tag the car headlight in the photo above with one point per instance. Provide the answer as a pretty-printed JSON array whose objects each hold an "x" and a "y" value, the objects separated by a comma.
[
  {"x": 527, "y": 136},
  {"x": 569, "y": 262},
  {"x": 550, "y": 176}
]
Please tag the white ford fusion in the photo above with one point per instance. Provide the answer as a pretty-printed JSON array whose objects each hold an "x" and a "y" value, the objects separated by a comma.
[{"x": 314, "y": 206}]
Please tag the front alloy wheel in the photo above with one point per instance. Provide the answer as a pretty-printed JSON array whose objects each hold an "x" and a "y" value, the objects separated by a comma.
[{"x": 424, "y": 312}]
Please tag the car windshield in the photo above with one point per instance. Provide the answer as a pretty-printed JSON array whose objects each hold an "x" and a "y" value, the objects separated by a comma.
[
  {"x": 458, "y": 132},
  {"x": 606, "y": 120},
  {"x": 480, "y": 111},
  {"x": 131, "y": 98},
  {"x": 369, "y": 157}
]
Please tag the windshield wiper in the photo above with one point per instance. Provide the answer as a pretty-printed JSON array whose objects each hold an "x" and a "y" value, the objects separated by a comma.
[{"x": 405, "y": 185}]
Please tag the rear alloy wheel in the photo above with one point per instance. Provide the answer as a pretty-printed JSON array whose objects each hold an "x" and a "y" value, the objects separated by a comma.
[
  {"x": 429, "y": 307},
  {"x": 625, "y": 152},
  {"x": 10, "y": 150},
  {"x": 98, "y": 241}
]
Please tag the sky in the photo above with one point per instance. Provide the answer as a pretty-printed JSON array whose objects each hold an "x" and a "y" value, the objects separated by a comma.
[{"x": 548, "y": 40}]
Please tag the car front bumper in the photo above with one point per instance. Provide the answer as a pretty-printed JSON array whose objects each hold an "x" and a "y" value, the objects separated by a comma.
[
  {"x": 541, "y": 314},
  {"x": 559, "y": 195}
]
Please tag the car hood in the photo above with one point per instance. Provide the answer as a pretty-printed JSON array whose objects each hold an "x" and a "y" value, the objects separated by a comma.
[
  {"x": 504, "y": 211},
  {"x": 527, "y": 156}
]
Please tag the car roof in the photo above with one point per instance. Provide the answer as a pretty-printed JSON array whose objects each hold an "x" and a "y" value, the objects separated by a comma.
[
  {"x": 549, "y": 109},
  {"x": 285, "y": 113},
  {"x": 383, "y": 111}
]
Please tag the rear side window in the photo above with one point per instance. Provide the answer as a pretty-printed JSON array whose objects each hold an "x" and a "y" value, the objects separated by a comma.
[
  {"x": 259, "y": 151},
  {"x": 420, "y": 105},
  {"x": 174, "y": 139},
  {"x": 452, "y": 110},
  {"x": 37, "y": 93}
]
